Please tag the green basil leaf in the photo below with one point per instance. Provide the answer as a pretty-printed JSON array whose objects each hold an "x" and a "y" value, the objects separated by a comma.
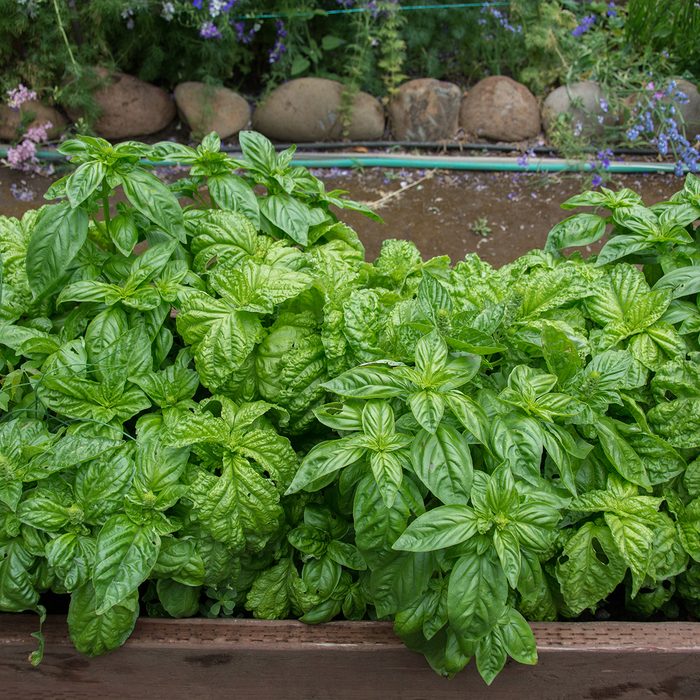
[
  {"x": 398, "y": 579},
  {"x": 577, "y": 230},
  {"x": 439, "y": 528},
  {"x": 370, "y": 381},
  {"x": 84, "y": 181},
  {"x": 58, "y": 234},
  {"x": 387, "y": 468},
  {"x": 178, "y": 599},
  {"x": 477, "y": 594},
  {"x": 590, "y": 567},
  {"x": 428, "y": 408},
  {"x": 125, "y": 555},
  {"x": 443, "y": 462},
  {"x": 95, "y": 633},
  {"x": 288, "y": 214},
  {"x": 17, "y": 589},
  {"x": 325, "y": 458},
  {"x": 71, "y": 557},
  {"x": 346, "y": 555},
  {"x": 258, "y": 150},
  {"x": 123, "y": 232},
  {"x": 517, "y": 637},
  {"x": 154, "y": 200},
  {"x": 620, "y": 454},
  {"x": 233, "y": 193},
  {"x": 470, "y": 414}
]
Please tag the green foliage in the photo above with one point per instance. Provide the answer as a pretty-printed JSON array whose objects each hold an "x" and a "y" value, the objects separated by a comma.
[
  {"x": 652, "y": 24},
  {"x": 221, "y": 408}
]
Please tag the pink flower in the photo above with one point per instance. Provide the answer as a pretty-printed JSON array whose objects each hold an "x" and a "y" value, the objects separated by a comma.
[
  {"x": 19, "y": 95},
  {"x": 39, "y": 133},
  {"x": 22, "y": 156}
]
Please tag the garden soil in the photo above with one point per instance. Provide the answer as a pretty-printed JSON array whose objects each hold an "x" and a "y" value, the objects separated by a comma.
[{"x": 500, "y": 216}]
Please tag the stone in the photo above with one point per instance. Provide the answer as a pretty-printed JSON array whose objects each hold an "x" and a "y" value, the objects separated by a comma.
[
  {"x": 425, "y": 109},
  {"x": 129, "y": 107},
  {"x": 582, "y": 102},
  {"x": 10, "y": 119},
  {"x": 368, "y": 120},
  {"x": 206, "y": 108},
  {"x": 308, "y": 109},
  {"x": 691, "y": 110},
  {"x": 500, "y": 109}
]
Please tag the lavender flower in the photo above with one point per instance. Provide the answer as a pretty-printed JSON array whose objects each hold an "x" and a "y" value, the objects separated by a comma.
[
  {"x": 503, "y": 20},
  {"x": 586, "y": 23},
  {"x": 22, "y": 192},
  {"x": 19, "y": 95},
  {"x": 209, "y": 30},
  {"x": 524, "y": 158},
  {"x": 596, "y": 181},
  {"x": 22, "y": 156},
  {"x": 241, "y": 34},
  {"x": 279, "y": 48},
  {"x": 656, "y": 124},
  {"x": 604, "y": 158},
  {"x": 39, "y": 133}
]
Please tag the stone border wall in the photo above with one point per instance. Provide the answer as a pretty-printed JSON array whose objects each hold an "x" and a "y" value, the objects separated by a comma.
[{"x": 496, "y": 109}]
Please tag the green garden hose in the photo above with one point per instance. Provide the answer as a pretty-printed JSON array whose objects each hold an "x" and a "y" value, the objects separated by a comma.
[{"x": 496, "y": 164}]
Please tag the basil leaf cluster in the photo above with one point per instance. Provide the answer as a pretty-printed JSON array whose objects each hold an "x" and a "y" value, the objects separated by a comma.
[{"x": 212, "y": 404}]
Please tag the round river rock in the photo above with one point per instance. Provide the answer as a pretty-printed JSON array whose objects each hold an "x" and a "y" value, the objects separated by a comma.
[
  {"x": 129, "y": 107},
  {"x": 308, "y": 109},
  {"x": 500, "y": 109},
  {"x": 206, "y": 108},
  {"x": 425, "y": 109}
]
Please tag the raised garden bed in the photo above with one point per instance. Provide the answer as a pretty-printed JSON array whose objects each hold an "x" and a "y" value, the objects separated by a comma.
[
  {"x": 286, "y": 659},
  {"x": 514, "y": 501}
]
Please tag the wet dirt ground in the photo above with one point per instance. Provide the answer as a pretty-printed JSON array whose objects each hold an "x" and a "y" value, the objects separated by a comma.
[{"x": 498, "y": 215}]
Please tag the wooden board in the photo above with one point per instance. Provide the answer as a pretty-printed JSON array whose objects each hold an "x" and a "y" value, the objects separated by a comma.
[{"x": 268, "y": 660}]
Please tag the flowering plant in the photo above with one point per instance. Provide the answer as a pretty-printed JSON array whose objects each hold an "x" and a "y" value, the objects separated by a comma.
[{"x": 22, "y": 156}]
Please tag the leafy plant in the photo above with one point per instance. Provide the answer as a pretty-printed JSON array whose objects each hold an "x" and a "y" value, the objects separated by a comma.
[{"x": 221, "y": 408}]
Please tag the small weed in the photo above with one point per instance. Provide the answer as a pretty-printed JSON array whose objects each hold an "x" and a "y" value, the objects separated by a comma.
[{"x": 480, "y": 227}]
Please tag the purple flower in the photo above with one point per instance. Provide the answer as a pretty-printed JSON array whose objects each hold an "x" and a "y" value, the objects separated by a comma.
[
  {"x": 209, "y": 30},
  {"x": 612, "y": 11},
  {"x": 586, "y": 23},
  {"x": 279, "y": 48},
  {"x": 604, "y": 158},
  {"x": 524, "y": 158},
  {"x": 22, "y": 192},
  {"x": 243, "y": 36},
  {"x": 198, "y": 4},
  {"x": 22, "y": 156},
  {"x": 39, "y": 133},
  {"x": 604, "y": 104},
  {"x": 596, "y": 181},
  {"x": 502, "y": 20},
  {"x": 19, "y": 95}
]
